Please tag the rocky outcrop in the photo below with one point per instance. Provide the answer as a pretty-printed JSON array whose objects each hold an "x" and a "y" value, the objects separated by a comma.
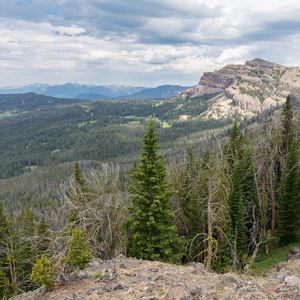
[
  {"x": 247, "y": 89},
  {"x": 213, "y": 82},
  {"x": 130, "y": 279}
]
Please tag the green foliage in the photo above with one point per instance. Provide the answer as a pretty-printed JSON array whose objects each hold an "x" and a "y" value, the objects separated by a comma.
[
  {"x": 289, "y": 204},
  {"x": 237, "y": 211},
  {"x": 266, "y": 261},
  {"x": 243, "y": 198},
  {"x": 287, "y": 126},
  {"x": 78, "y": 254},
  {"x": 43, "y": 236},
  {"x": 98, "y": 276},
  {"x": 43, "y": 272},
  {"x": 66, "y": 131},
  {"x": 223, "y": 261},
  {"x": 25, "y": 254},
  {"x": 78, "y": 195},
  {"x": 152, "y": 233},
  {"x": 5, "y": 288},
  {"x": 81, "y": 182},
  {"x": 289, "y": 179},
  {"x": 189, "y": 198}
]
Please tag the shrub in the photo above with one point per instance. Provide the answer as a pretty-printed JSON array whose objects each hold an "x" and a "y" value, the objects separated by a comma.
[
  {"x": 79, "y": 254},
  {"x": 43, "y": 272}
]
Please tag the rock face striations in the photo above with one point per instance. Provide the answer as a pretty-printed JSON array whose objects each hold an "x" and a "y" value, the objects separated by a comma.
[{"x": 245, "y": 90}]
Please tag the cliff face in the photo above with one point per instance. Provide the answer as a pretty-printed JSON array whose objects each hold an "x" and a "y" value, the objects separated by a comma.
[
  {"x": 245, "y": 89},
  {"x": 132, "y": 279}
]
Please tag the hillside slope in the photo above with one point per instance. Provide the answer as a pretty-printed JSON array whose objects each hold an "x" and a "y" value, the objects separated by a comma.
[
  {"x": 162, "y": 91},
  {"x": 245, "y": 90},
  {"x": 130, "y": 279},
  {"x": 13, "y": 103}
]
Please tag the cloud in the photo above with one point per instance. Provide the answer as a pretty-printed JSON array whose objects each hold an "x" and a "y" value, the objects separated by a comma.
[{"x": 141, "y": 42}]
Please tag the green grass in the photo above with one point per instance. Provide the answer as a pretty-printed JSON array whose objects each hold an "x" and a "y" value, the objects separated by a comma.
[
  {"x": 165, "y": 125},
  {"x": 98, "y": 276},
  {"x": 8, "y": 114},
  {"x": 266, "y": 261}
]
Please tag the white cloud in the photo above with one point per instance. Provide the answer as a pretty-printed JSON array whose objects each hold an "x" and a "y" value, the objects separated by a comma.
[{"x": 144, "y": 42}]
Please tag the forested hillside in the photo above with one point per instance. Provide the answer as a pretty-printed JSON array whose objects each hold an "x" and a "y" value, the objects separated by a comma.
[
  {"x": 42, "y": 131},
  {"x": 226, "y": 204}
]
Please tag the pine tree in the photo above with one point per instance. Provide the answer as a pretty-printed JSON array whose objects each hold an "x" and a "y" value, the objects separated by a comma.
[
  {"x": 237, "y": 211},
  {"x": 153, "y": 235},
  {"x": 3, "y": 233},
  {"x": 43, "y": 237},
  {"x": 250, "y": 195},
  {"x": 79, "y": 254},
  {"x": 79, "y": 195},
  {"x": 289, "y": 204},
  {"x": 25, "y": 255},
  {"x": 286, "y": 137},
  {"x": 189, "y": 200},
  {"x": 5, "y": 286},
  {"x": 81, "y": 182},
  {"x": 287, "y": 126},
  {"x": 192, "y": 209},
  {"x": 43, "y": 272},
  {"x": 233, "y": 148}
]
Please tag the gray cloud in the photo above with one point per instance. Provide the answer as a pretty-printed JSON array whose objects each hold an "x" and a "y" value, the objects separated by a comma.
[{"x": 139, "y": 41}]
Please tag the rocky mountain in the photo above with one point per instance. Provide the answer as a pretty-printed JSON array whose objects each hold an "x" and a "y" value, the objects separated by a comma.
[
  {"x": 245, "y": 90},
  {"x": 130, "y": 279}
]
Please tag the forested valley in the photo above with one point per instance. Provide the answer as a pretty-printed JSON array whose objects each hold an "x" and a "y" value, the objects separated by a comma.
[{"x": 227, "y": 202}]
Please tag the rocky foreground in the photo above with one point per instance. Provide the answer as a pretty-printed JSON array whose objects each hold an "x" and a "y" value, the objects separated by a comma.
[{"x": 126, "y": 278}]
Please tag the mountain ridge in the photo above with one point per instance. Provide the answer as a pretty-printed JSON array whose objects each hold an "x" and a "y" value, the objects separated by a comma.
[
  {"x": 245, "y": 90},
  {"x": 96, "y": 92}
]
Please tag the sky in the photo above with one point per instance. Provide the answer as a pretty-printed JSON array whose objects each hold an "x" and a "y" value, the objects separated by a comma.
[{"x": 141, "y": 42}]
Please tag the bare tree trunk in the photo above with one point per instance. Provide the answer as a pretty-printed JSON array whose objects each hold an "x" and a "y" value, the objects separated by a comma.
[
  {"x": 273, "y": 204},
  {"x": 235, "y": 260},
  {"x": 209, "y": 232},
  {"x": 12, "y": 267}
]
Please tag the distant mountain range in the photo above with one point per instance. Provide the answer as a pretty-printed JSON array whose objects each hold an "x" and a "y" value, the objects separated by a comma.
[
  {"x": 97, "y": 92},
  {"x": 162, "y": 91}
]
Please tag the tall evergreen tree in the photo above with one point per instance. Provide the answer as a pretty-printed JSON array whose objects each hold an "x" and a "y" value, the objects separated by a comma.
[
  {"x": 287, "y": 126},
  {"x": 152, "y": 231},
  {"x": 289, "y": 204},
  {"x": 43, "y": 237},
  {"x": 189, "y": 200},
  {"x": 78, "y": 195},
  {"x": 192, "y": 204},
  {"x": 237, "y": 211},
  {"x": 5, "y": 286},
  {"x": 286, "y": 137},
  {"x": 243, "y": 198},
  {"x": 81, "y": 182},
  {"x": 233, "y": 148},
  {"x": 250, "y": 195},
  {"x": 25, "y": 255}
]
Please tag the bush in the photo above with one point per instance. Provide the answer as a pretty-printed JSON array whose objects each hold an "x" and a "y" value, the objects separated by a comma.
[
  {"x": 43, "y": 272},
  {"x": 79, "y": 254}
]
